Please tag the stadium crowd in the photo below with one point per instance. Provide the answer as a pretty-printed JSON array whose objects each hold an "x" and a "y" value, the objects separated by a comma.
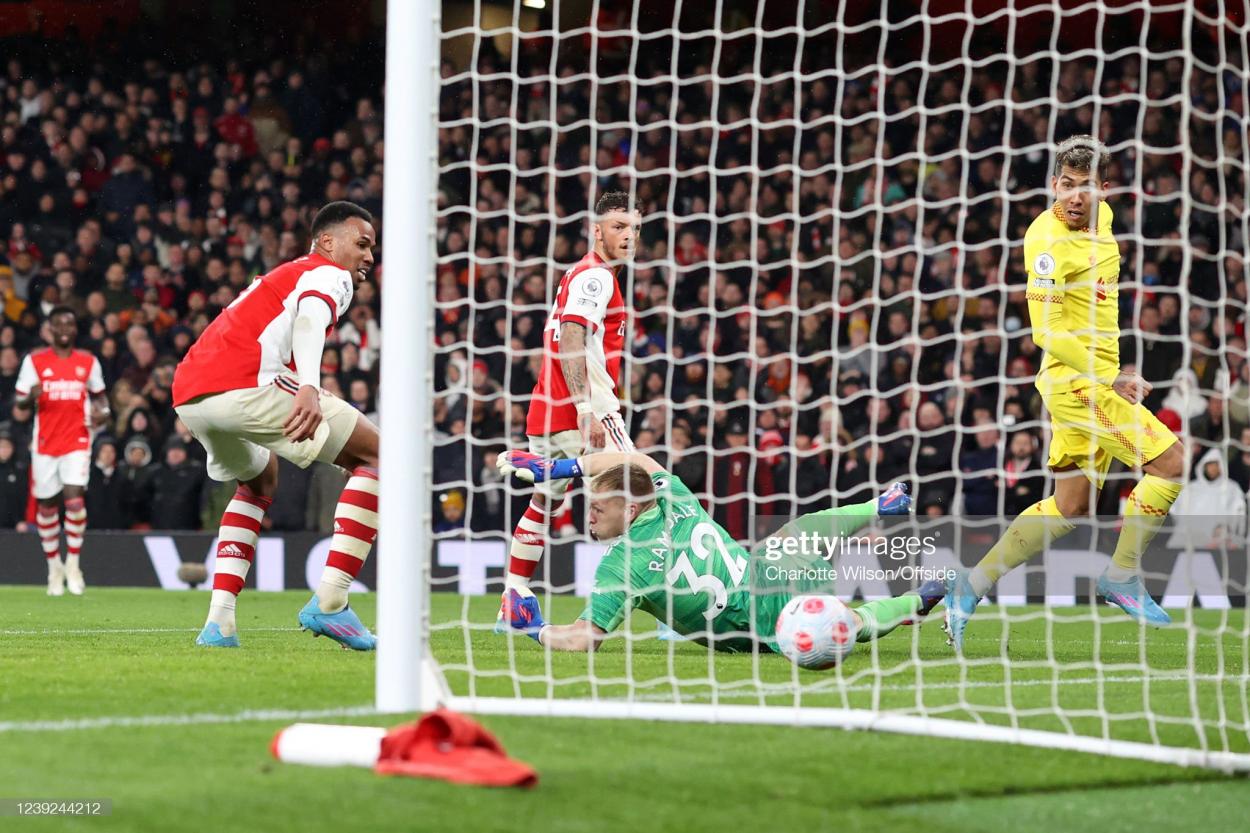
[
  {"x": 818, "y": 315},
  {"x": 146, "y": 196},
  {"x": 814, "y": 315}
]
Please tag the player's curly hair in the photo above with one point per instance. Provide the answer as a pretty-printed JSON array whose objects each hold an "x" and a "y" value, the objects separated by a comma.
[
  {"x": 333, "y": 213},
  {"x": 613, "y": 201},
  {"x": 1079, "y": 153}
]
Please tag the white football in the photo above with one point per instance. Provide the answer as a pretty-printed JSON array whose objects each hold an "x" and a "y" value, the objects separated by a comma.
[{"x": 816, "y": 632}]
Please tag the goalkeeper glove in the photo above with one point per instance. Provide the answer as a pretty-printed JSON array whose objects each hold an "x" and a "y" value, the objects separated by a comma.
[
  {"x": 534, "y": 468},
  {"x": 523, "y": 614}
]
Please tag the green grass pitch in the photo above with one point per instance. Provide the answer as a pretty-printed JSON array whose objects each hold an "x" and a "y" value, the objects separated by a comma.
[{"x": 90, "y": 687}]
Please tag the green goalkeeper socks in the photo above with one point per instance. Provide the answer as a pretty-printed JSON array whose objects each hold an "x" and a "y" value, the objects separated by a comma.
[{"x": 880, "y": 617}]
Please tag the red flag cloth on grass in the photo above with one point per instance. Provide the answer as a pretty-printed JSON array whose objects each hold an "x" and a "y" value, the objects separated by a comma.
[{"x": 452, "y": 747}]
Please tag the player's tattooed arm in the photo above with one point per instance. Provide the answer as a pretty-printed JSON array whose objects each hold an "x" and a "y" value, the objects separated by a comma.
[
  {"x": 573, "y": 360},
  {"x": 573, "y": 365}
]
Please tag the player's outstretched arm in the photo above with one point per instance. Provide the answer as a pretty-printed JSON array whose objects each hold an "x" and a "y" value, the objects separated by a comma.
[
  {"x": 523, "y": 614},
  {"x": 592, "y": 464},
  {"x": 534, "y": 468}
]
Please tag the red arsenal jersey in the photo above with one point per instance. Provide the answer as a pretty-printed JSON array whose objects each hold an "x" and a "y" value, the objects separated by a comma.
[
  {"x": 63, "y": 415},
  {"x": 588, "y": 295},
  {"x": 250, "y": 342}
]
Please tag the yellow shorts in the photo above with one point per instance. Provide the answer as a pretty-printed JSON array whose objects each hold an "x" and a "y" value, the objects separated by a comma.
[{"x": 1093, "y": 424}]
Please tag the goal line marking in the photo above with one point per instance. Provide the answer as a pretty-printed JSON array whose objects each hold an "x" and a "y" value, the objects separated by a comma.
[{"x": 202, "y": 718}]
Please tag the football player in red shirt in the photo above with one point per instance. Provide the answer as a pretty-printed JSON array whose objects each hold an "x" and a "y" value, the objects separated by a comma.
[
  {"x": 575, "y": 408},
  {"x": 249, "y": 389},
  {"x": 65, "y": 388}
]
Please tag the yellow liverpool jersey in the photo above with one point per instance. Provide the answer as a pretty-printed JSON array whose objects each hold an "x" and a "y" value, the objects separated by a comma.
[{"x": 1073, "y": 294}]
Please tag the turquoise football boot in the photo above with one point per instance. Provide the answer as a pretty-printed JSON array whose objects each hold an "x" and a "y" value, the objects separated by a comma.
[
  {"x": 344, "y": 627},
  {"x": 210, "y": 637},
  {"x": 1131, "y": 597},
  {"x": 960, "y": 601}
]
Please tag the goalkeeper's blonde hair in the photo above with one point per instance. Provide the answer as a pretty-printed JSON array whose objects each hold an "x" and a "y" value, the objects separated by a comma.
[{"x": 628, "y": 481}]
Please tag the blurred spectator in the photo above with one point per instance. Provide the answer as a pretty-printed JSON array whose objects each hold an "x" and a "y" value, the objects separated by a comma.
[
  {"x": 108, "y": 498},
  {"x": 451, "y": 510},
  {"x": 175, "y": 488},
  {"x": 979, "y": 465},
  {"x": 738, "y": 472},
  {"x": 14, "y": 479},
  {"x": 137, "y": 471},
  {"x": 1211, "y": 510},
  {"x": 1023, "y": 481},
  {"x": 1239, "y": 468}
]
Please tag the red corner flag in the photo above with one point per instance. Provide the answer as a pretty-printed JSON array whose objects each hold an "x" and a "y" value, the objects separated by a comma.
[{"x": 450, "y": 746}]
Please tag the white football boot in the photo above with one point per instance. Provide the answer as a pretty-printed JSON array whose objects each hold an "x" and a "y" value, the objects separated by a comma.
[
  {"x": 56, "y": 577},
  {"x": 74, "y": 582}
]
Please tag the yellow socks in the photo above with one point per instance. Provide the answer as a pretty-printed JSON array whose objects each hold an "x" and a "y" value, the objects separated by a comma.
[
  {"x": 1148, "y": 506},
  {"x": 1028, "y": 534}
]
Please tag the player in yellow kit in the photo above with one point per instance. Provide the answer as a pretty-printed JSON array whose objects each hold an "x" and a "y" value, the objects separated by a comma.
[{"x": 1096, "y": 414}]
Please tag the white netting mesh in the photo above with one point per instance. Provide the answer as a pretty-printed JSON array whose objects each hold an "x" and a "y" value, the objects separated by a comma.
[{"x": 828, "y": 296}]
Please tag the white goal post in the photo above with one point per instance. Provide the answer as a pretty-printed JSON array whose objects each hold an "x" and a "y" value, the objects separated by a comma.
[{"x": 834, "y": 199}]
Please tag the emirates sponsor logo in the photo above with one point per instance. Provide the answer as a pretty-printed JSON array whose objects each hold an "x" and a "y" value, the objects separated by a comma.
[{"x": 61, "y": 390}]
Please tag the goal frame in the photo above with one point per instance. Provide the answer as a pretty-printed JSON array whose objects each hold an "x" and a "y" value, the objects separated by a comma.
[{"x": 407, "y": 677}]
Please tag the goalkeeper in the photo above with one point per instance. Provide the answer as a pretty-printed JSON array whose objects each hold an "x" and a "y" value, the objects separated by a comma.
[{"x": 673, "y": 561}]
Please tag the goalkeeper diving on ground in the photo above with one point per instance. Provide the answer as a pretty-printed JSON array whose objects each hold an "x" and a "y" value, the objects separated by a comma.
[{"x": 671, "y": 560}]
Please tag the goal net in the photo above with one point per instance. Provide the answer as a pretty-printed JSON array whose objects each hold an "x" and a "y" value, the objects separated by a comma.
[{"x": 828, "y": 296}]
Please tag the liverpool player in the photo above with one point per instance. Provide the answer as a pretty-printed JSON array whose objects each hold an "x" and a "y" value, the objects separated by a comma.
[
  {"x": 575, "y": 407},
  {"x": 249, "y": 390},
  {"x": 65, "y": 387},
  {"x": 1096, "y": 413}
]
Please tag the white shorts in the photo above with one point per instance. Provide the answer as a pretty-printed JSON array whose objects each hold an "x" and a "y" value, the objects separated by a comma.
[
  {"x": 567, "y": 445},
  {"x": 52, "y": 474},
  {"x": 238, "y": 429}
]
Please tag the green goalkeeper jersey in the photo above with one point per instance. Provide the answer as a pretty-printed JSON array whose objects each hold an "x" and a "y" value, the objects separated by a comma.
[{"x": 680, "y": 566}]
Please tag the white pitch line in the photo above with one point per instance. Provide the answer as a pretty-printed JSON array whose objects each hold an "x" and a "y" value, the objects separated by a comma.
[
  {"x": 131, "y": 721},
  {"x": 128, "y": 721},
  {"x": 95, "y": 631},
  {"x": 740, "y": 693}
]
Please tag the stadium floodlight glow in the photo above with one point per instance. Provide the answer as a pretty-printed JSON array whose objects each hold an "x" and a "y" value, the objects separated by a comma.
[{"x": 535, "y": 4}]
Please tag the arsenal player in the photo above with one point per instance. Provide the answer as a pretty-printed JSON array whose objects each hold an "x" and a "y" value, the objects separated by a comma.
[
  {"x": 575, "y": 408},
  {"x": 249, "y": 390},
  {"x": 65, "y": 387}
]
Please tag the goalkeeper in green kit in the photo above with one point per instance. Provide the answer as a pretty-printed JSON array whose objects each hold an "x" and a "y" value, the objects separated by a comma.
[{"x": 670, "y": 559}]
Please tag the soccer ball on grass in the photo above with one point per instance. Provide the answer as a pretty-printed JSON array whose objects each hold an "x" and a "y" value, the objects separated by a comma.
[{"x": 816, "y": 632}]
